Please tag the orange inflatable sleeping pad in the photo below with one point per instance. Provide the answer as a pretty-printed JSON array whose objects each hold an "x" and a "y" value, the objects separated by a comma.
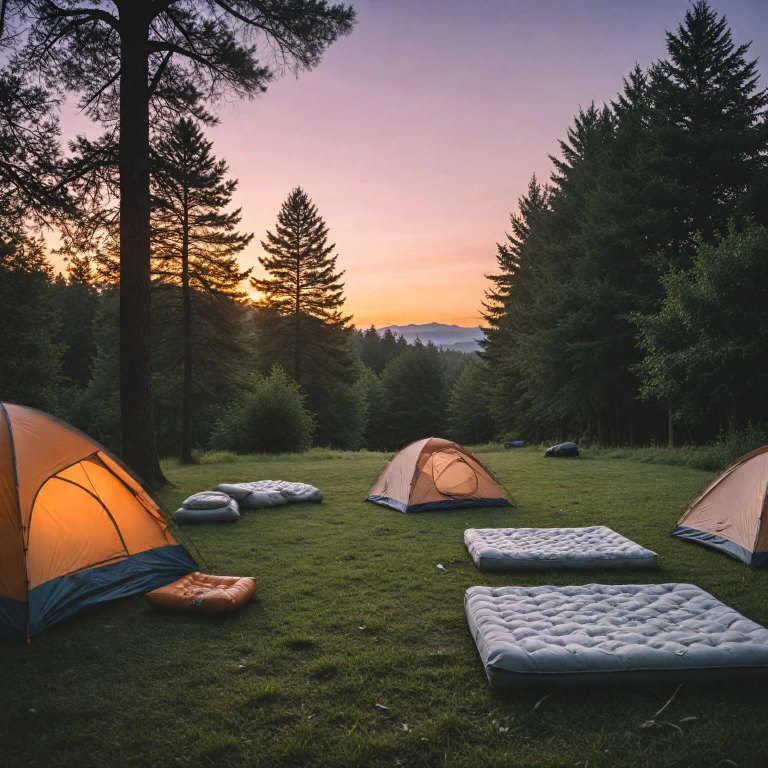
[{"x": 201, "y": 593}]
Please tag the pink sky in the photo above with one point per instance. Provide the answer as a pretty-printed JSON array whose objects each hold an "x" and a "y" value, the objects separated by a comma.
[{"x": 419, "y": 131}]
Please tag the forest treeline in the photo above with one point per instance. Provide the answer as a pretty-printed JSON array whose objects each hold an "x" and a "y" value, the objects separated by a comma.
[
  {"x": 60, "y": 354},
  {"x": 628, "y": 306},
  {"x": 277, "y": 373}
]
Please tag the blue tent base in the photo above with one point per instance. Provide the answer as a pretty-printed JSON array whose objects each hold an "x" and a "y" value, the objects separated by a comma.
[
  {"x": 714, "y": 541},
  {"x": 13, "y": 616},
  {"x": 58, "y": 599},
  {"x": 400, "y": 506}
]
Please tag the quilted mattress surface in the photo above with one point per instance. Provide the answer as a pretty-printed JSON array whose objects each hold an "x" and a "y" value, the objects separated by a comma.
[
  {"x": 270, "y": 493},
  {"x": 601, "y": 633},
  {"x": 505, "y": 549}
]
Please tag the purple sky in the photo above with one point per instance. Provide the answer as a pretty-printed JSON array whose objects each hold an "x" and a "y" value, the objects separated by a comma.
[{"x": 419, "y": 131}]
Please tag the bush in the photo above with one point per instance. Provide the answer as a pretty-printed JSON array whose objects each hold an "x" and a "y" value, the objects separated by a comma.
[{"x": 271, "y": 419}]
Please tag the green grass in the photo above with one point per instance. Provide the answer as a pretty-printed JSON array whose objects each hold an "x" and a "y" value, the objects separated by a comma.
[{"x": 351, "y": 612}]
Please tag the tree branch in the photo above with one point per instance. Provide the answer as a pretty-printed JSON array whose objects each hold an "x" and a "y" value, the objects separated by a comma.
[
  {"x": 91, "y": 14},
  {"x": 159, "y": 73}
]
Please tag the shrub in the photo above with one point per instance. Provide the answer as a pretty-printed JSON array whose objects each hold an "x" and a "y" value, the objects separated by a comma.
[{"x": 270, "y": 419}]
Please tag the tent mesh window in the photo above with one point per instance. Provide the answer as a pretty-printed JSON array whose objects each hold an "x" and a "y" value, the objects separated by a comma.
[{"x": 452, "y": 476}]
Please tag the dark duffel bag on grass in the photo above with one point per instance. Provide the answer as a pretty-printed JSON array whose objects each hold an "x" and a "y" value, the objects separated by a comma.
[{"x": 562, "y": 451}]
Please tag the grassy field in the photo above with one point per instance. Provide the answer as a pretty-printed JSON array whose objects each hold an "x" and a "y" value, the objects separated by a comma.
[{"x": 352, "y": 612}]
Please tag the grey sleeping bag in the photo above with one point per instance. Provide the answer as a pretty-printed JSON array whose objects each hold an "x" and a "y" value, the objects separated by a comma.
[
  {"x": 270, "y": 493},
  {"x": 207, "y": 507}
]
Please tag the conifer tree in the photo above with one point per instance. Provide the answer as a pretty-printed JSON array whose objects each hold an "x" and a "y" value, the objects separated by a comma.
[
  {"x": 30, "y": 355},
  {"x": 303, "y": 293},
  {"x": 30, "y": 187},
  {"x": 195, "y": 245},
  {"x": 378, "y": 349},
  {"x": 370, "y": 348},
  {"x": 469, "y": 415},
  {"x": 508, "y": 304},
  {"x": 76, "y": 302},
  {"x": 139, "y": 63},
  {"x": 416, "y": 395},
  {"x": 709, "y": 129}
]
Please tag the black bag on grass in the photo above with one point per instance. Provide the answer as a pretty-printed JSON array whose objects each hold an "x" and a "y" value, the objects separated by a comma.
[{"x": 562, "y": 451}]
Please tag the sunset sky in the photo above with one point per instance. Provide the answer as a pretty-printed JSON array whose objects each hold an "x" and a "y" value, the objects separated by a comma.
[{"x": 419, "y": 131}]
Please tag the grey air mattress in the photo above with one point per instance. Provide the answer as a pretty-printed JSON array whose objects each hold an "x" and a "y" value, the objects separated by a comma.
[
  {"x": 270, "y": 493},
  {"x": 600, "y": 634},
  {"x": 511, "y": 549},
  {"x": 207, "y": 507}
]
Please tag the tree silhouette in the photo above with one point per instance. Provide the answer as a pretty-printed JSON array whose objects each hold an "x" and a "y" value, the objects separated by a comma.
[
  {"x": 30, "y": 187},
  {"x": 30, "y": 372},
  {"x": 195, "y": 246},
  {"x": 303, "y": 293},
  {"x": 709, "y": 130},
  {"x": 158, "y": 60}
]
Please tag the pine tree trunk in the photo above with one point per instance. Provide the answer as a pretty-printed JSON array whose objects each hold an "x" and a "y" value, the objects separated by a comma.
[
  {"x": 186, "y": 309},
  {"x": 136, "y": 408},
  {"x": 297, "y": 320},
  {"x": 600, "y": 430},
  {"x": 297, "y": 349}
]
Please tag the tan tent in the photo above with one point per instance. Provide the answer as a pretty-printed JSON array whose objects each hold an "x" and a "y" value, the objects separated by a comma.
[
  {"x": 436, "y": 474},
  {"x": 76, "y": 526},
  {"x": 730, "y": 513}
]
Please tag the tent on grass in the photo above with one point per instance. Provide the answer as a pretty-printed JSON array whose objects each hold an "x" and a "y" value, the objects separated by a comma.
[
  {"x": 730, "y": 513},
  {"x": 77, "y": 528},
  {"x": 436, "y": 474}
]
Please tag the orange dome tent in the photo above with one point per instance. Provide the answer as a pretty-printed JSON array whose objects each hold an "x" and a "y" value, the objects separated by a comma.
[
  {"x": 436, "y": 474},
  {"x": 77, "y": 528},
  {"x": 730, "y": 514}
]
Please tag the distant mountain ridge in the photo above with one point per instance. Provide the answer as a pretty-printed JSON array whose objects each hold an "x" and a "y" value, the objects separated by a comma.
[{"x": 442, "y": 335}]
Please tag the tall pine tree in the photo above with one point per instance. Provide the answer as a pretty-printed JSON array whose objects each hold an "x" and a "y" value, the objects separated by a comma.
[
  {"x": 134, "y": 64},
  {"x": 303, "y": 294},
  {"x": 195, "y": 244},
  {"x": 508, "y": 304},
  {"x": 709, "y": 131}
]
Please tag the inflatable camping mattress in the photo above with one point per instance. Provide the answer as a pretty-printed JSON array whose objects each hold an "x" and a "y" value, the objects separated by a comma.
[
  {"x": 511, "y": 549},
  {"x": 603, "y": 634},
  {"x": 207, "y": 507},
  {"x": 270, "y": 493}
]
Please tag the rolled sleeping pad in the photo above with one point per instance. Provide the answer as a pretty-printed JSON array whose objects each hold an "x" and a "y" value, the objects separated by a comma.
[
  {"x": 208, "y": 507},
  {"x": 562, "y": 451}
]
